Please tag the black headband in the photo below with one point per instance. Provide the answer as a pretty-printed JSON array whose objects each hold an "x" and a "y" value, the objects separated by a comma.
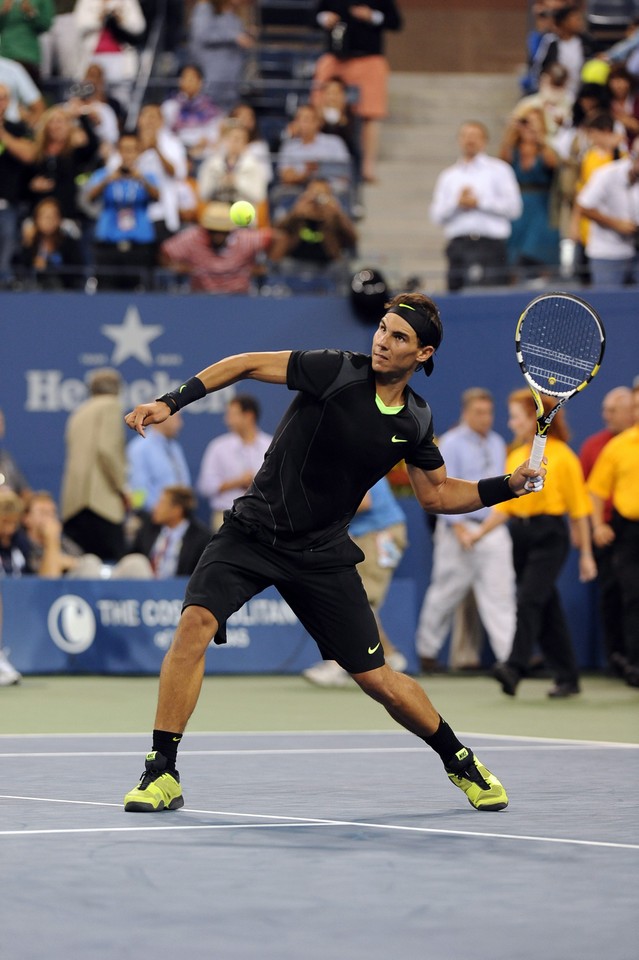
[{"x": 423, "y": 326}]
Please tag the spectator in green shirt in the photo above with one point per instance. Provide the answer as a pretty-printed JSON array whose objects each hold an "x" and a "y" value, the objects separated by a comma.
[{"x": 21, "y": 23}]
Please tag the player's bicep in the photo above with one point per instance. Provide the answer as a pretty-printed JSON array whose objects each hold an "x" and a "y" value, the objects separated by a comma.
[{"x": 268, "y": 367}]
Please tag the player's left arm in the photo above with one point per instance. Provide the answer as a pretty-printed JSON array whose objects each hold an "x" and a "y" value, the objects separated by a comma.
[
  {"x": 439, "y": 493},
  {"x": 267, "y": 367}
]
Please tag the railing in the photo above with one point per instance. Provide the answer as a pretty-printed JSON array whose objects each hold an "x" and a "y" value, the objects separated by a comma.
[{"x": 145, "y": 68}]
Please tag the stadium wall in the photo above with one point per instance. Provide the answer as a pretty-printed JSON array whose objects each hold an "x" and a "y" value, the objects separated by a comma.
[
  {"x": 459, "y": 36},
  {"x": 50, "y": 343}
]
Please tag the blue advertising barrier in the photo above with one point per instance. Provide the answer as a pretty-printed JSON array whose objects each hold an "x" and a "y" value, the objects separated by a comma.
[
  {"x": 125, "y": 627},
  {"x": 51, "y": 342}
]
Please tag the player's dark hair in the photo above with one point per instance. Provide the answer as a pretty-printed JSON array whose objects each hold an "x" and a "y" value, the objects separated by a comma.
[{"x": 427, "y": 307}]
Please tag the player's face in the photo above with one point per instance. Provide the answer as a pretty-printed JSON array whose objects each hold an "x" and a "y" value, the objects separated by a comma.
[{"x": 396, "y": 349}]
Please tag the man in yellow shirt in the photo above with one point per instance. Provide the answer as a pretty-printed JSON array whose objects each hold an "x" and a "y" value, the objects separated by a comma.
[
  {"x": 614, "y": 477},
  {"x": 541, "y": 544}
]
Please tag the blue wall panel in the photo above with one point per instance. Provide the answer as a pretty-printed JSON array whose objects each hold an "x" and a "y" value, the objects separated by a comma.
[{"x": 50, "y": 342}]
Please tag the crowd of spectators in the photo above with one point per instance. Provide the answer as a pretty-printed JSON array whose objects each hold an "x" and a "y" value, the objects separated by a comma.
[
  {"x": 578, "y": 114},
  {"x": 601, "y": 88},
  {"x": 122, "y": 187},
  {"x": 129, "y": 195}
]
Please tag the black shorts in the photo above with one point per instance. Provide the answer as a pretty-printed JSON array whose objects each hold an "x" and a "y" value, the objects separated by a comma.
[{"x": 321, "y": 586}]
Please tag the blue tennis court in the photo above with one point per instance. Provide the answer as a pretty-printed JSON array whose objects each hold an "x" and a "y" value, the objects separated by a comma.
[{"x": 316, "y": 845}]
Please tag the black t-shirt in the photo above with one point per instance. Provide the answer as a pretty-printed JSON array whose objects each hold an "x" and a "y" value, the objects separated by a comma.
[
  {"x": 332, "y": 444},
  {"x": 13, "y": 172},
  {"x": 15, "y": 556}
]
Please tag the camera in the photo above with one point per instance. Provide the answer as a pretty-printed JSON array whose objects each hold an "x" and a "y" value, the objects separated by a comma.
[{"x": 82, "y": 91}]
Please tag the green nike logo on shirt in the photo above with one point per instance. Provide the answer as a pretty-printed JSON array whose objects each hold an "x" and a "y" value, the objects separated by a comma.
[{"x": 395, "y": 439}]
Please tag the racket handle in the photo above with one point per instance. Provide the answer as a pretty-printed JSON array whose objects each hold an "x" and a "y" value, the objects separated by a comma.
[{"x": 537, "y": 452}]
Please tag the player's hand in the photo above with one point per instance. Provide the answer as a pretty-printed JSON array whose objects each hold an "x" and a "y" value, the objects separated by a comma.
[
  {"x": 146, "y": 413},
  {"x": 525, "y": 480}
]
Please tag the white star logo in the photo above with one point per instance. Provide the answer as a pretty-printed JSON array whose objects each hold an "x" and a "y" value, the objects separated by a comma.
[{"x": 132, "y": 338}]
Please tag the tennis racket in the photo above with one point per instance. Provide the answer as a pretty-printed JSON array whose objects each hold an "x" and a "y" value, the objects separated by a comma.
[{"x": 560, "y": 344}]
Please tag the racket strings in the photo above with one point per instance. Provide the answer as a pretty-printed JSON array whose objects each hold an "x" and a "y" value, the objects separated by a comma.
[{"x": 562, "y": 345}]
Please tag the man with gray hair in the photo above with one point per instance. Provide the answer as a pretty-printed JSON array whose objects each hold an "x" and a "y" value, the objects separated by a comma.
[
  {"x": 94, "y": 495},
  {"x": 463, "y": 560}
]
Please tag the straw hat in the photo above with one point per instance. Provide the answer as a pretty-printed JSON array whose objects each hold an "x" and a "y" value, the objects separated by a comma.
[{"x": 216, "y": 216}]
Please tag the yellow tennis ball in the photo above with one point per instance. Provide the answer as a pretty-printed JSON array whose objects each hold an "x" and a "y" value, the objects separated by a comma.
[
  {"x": 595, "y": 71},
  {"x": 242, "y": 213}
]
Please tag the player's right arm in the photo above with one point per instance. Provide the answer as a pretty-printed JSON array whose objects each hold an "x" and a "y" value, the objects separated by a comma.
[
  {"x": 267, "y": 367},
  {"x": 439, "y": 493}
]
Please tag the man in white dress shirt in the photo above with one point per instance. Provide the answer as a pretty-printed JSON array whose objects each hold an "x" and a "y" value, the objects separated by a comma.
[
  {"x": 610, "y": 200},
  {"x": 463, "y": 559},
  {"x": 475, "y": 201},
  {"x": 231, "y": 461}
]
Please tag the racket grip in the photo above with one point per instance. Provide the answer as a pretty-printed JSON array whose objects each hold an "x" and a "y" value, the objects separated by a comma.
[{"x": 537, "y": 452}]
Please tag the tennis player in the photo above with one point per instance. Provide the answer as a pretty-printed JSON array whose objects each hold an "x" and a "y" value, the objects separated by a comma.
[{"x": 353, "y": 417}]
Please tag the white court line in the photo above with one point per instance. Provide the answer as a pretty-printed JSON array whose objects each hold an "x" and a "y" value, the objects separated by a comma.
[
  {"x": 319, "y": 733},
  {"x": 294, "y": 751},
  {"x": 293, "y": 821}
]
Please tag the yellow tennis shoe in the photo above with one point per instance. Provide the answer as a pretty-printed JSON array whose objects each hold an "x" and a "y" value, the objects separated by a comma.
[
  {"x": 158, "y": 789},
  {"x": 484, "y": 791}
]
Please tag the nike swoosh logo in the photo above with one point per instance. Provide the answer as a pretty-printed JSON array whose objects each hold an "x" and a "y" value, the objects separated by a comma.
[
  {"x": 398, "y": 440},
  {"x": 183, "y": 387},
  {"x": 176, "y": 739},
  {"x": 376, "y": 647}
]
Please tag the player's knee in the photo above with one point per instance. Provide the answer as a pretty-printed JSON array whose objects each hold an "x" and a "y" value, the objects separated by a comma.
[
  {"x": 377, "y": 684},
  {"x": 196, "y": 629}
]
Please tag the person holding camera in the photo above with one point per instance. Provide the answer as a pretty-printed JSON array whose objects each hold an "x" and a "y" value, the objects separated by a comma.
[
  {"x": 533, "y": 245},
  {"x": 610, "y": 201},
  {"x": 317, "y": 230},
  {"x": 125, "y": 239}
]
